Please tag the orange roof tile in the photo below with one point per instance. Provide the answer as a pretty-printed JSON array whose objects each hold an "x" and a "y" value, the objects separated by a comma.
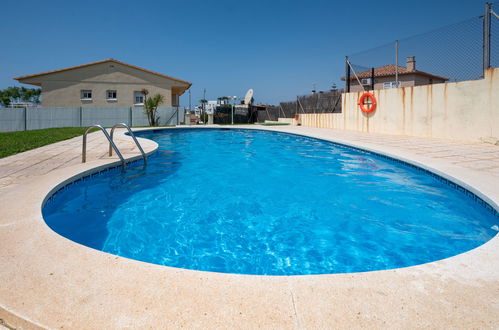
[{"x": 389, "y": 70}]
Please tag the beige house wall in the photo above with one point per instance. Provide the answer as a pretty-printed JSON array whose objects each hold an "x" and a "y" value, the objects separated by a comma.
[
  {"x": 63, "y": 89},
  {"x": 406, "y": 80},
  {"x": 467, "y": 110}
]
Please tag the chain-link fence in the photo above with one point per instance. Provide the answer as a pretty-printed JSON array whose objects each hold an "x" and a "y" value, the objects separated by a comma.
[
  {"x": 494, "y": 35},
  {"x": 271, "y": 113},
  {"x": 322, "y": 102},
  {"x": 227, "y": 114},
  {"x": 454, "y": 52}
]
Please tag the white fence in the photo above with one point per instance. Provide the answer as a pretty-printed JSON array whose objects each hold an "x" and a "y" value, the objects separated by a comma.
[{"x": 21, "y": 119}]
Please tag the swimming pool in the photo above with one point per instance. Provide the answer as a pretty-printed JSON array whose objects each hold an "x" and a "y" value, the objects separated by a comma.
[{"x": 255, "y": 202}]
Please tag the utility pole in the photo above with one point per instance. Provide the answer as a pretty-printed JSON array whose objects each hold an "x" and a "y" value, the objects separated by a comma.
[{"x": 190, "y": 99}]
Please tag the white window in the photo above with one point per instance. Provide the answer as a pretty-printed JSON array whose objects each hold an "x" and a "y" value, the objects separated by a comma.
[
  {"x": 391, "y": 84},
  {"x": 138, "y": 98},
  {"x": 86, "y": 94},
  {"x": 112, "y": 95}
]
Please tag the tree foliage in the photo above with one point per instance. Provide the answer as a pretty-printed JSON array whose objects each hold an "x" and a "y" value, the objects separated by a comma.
[
  {"x": 223, "y": 99},
  {"x": 204, "y": 117},
  {"x": 17, "y": 94}
]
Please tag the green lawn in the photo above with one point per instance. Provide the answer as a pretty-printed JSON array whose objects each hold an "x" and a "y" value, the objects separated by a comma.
[{"x": 14, "y": 142}]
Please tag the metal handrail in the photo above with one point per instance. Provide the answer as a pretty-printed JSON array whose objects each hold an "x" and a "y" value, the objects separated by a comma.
[
  {"x": 84, "y": 151},
  {"x": 133, "y": 137}
]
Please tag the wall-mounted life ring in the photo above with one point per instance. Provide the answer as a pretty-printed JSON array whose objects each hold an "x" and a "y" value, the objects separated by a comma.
[{"x": 367, "y": 102}]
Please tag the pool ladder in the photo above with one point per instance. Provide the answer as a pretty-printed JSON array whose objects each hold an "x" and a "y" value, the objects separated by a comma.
[{"x": 112, "y": 145}]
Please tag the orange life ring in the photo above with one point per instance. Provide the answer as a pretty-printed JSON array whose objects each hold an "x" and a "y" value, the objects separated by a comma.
[{"x": 367, "y": 107}]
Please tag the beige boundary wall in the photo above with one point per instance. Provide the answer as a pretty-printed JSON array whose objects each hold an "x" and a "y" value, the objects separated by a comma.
[{"x": 467, "y": 110}]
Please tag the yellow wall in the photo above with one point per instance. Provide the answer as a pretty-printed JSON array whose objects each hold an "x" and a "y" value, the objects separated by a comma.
[
  {"x": 63, "y": 89},
  {"x": 467, "y": 110}
]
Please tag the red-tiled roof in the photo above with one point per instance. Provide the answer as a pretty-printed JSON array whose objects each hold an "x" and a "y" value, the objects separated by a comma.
[{"x": 389, "y": 70}]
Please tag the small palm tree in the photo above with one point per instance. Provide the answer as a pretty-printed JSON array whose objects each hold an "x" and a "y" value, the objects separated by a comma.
[
  {"x": 151, "y": 107},
  {"x": 203, "y": 103}
]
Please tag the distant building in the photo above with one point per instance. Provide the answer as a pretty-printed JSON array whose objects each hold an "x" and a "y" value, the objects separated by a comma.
[
  {"x": 384, "y": 77},
  {"x": 107, "y": 83},
  {"x": 210, "y": 107}
]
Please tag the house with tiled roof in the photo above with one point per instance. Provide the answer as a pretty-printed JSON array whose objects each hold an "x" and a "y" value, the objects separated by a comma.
[
  {"x": 385, "y": 77},
  {"x": 107, "y": 83}
]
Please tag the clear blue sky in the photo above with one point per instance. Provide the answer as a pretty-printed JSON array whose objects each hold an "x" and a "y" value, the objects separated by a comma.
[{"x": 278, "y": 48}]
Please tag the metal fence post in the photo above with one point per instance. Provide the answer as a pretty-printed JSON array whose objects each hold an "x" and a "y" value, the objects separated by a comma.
[
  {"x": 397, "y": 63},
  {"x": 372, "y": 78},
  {"x": 25, "y": 118},
  {"x": 81, "y": 116},
  {"x": 347, "y": 75},
  {"x": 130, "y": 115},
  {"x": 486, "y": 38}
]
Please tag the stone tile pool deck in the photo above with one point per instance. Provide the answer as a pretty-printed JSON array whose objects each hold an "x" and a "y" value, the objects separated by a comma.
[{"x": 47, "y": 281}]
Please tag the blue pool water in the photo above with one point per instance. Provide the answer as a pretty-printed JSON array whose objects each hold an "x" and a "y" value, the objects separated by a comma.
[{"x": 256, "y": 202}]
